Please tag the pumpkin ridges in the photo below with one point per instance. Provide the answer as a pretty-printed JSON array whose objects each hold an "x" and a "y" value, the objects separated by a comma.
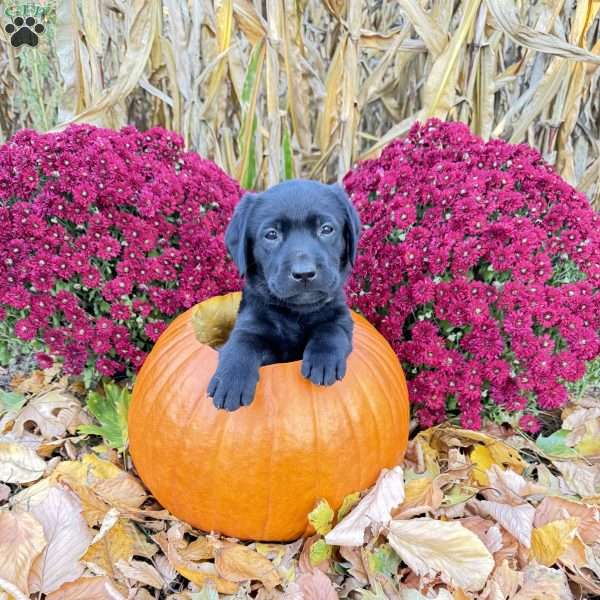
[
  {"x": 274, "y": 433},
  {"x": 187, "y": 441},
  {"x": 373, "y": 418},
  {"x": 400, "y": 414},
  {"x": 160, "y": 417},
  {"x": 315, "y": 445},
  {"x": 301, "y": 420},
  {"x": 214, "y": 502},
  {"x": 380, "y": 357},
  {"x": 160, "y": 353},
  {"x": 356, "y": 439}
]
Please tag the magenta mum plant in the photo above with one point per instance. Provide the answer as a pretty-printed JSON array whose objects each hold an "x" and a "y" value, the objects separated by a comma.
[
  {"x": 481, "y": 266},
  {"x": 104, "y": 237}
]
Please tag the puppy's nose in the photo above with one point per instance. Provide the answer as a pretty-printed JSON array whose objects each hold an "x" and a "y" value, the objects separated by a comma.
[{"x": 303, "y": 274}]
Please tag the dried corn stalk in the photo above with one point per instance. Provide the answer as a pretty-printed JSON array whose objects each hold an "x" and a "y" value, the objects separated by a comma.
[{"x": 274, "y": 89}]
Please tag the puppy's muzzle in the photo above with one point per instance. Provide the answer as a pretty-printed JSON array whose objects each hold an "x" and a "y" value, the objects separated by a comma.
[
  {"x": 303, "y": 269},
  {"x": 303, "y": 273}
]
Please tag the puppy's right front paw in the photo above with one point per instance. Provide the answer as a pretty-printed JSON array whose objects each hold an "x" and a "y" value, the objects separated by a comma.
[{"x": 230, "y": 391}]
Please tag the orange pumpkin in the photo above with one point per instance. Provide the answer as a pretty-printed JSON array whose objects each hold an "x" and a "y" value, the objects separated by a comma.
[{"x": 257, "y": 472}]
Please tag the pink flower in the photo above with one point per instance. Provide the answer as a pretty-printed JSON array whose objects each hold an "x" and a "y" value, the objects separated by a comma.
[
  {"x": 44, "y": 361},
  {"x": 530, "y": 424},
  {"x": 153, "y": 330},
  {"x": 25, "y": 330},
  {"x": 108, "y": 367},
  {"x": 120, "y": 312},
  {"x": 141, "y": 307}
]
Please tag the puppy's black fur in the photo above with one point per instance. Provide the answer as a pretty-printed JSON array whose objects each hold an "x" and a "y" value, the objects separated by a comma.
[{"x": 295, "y": 244}]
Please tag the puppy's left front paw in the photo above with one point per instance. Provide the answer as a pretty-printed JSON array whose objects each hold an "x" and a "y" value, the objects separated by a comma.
[{"x": 323, "y": 368}]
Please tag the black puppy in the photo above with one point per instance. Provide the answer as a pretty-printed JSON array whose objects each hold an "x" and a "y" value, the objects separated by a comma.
[{"x": 296, "y": 244}]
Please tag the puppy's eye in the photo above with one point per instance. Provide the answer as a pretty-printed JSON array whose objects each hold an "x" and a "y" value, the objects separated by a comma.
[
  {"x": 271, "y": 234},
  {"x": 327, "y": 229}
]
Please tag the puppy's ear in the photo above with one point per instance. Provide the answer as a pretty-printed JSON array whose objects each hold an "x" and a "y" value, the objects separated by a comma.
[
  {"x": 236, "y": 234},
  {"x": 352, "y": 226}
]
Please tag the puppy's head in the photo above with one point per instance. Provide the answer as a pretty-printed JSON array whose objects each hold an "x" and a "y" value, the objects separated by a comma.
[{"x": 296, "y": 241}]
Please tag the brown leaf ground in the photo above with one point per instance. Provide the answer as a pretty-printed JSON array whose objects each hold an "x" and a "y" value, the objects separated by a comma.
[{"x": 493, "y": 515}]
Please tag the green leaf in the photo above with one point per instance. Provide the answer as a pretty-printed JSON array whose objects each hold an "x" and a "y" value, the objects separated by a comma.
[
  {"x": 250, "y": 172},
  {"x": 321, "y": 517},
  {"x": 111, "y": 411},
  {"x": 11, "y": 400},
  {"x": 555, "y": 445},
  {"x": 384, "y": 560},
  {"x": 456, "y": 495},
  {"x": 286, "y": 146},
  {"x": 350, "y": 501},
  {"x": 249, "y": 120},
  {"x": 4, "y": 354},
  {"x": 88, "y": 377},
  {"x": 319, "y": 552}
]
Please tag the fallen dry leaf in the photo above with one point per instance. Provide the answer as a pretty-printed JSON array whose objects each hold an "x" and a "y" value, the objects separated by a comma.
[
  {"x": 68, "y": 538},
  {"x": 354, "y": 557},
  {"x": 428, "y": 546},
  {"x": 200, "y": 549},
  {"x": 121, "y": 542},
  {"x": 19, "y": 464},
  {"x": 509, "y": 487},
  {"x": 205, "y": 573},
  {"x": 543, "y": 583},
  {"x": 28, "y": 497},
  {"x": 517, "y": 520},
  {"x": 482, "y": 460},
  {"x": 90, "y": 588},
  {"x": 165, "y": 568},
  {"x": 142, "y": 572},
  {"x": 314, "y": 555},
  {"x": 238, "y": 563},
  {"x": 173, "y": 544},
  {"x": 499, "y": 451},
  {"x": 21, "y": 541},
  {"x": 375, "y": 507},
  {"x": 316, "y": 586},
  {"x": 574, "y": 556},
  {"x": 503, "y": 583},
  {"x": 100, "y": 485},
  {"x": 144, "y": 594},
  {"x": 422, "y": 494},
  {"x": 549, "y": 541},
  {"x": 109, "y": 520},
  {"x": 36, "y": 381},
  {"x": 575, "y": 416},
  {"x": 123, "y": 490},
  {"x": 4, "y": 492},
  {"x": 553, "y": 508},
  {"x": 54, "y": 412},
  {"x": 93, "y": 508},
  {"x": 486, "y": 530},
  {"x": 583, "y": 479}
]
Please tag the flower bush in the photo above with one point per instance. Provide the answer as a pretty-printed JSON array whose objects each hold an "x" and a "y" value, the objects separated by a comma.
[
  {"x": 481, "y": 266},
  {"x": 104, "y": 237}
]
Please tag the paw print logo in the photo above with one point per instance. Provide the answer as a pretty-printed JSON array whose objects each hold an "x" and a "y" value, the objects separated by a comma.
[{"x": 24, "y": 31}]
